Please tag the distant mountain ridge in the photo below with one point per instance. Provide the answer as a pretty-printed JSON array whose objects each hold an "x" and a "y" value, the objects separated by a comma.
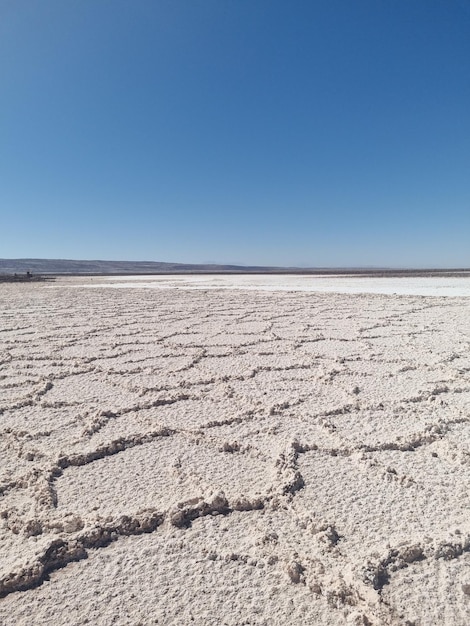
[
  {"x": 97, "y": 267},
  {"x": 69, "y": 266}
]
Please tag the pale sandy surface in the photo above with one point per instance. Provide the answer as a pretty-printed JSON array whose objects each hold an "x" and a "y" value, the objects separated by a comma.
[{"x": 233, "y": 457}]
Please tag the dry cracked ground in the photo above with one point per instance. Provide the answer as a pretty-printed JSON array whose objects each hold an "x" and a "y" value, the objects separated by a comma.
[{"x": 230, "y": 457}]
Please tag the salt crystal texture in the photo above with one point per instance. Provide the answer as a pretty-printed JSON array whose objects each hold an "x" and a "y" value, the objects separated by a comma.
[{"x": 242, "y": 452}]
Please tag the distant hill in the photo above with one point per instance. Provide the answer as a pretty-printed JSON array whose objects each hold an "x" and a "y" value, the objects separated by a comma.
[
  {"x": 67, "y": 266},
  {"x": 76, "y": 267}
]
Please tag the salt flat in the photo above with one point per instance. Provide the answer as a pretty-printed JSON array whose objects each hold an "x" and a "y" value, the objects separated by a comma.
[
  {"x": 233, "y": 455},
  {"x": 334, "y": 283}
]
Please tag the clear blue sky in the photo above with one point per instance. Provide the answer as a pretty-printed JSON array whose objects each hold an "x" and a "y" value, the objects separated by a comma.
[{"x": 315, "y": 132}]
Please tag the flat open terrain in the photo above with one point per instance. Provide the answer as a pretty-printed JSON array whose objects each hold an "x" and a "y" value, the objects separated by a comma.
[{"x": 176, "y": 456}]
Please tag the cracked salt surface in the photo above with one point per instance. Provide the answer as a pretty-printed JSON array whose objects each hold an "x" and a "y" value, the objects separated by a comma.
[{"x": 176, "y": 456}]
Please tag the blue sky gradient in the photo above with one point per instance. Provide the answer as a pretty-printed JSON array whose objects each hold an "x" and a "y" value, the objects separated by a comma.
[{"x": 320, "y": 133}]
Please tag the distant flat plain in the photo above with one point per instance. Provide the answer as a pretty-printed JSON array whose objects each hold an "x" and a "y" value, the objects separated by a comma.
[{"x": 404, "y": 284}]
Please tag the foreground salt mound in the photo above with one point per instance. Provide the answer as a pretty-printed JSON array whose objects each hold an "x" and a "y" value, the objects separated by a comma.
[{"x": 222, "y": 458}]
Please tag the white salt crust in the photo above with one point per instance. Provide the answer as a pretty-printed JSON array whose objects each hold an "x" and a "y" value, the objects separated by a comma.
[{"x": 175, "y": 456}]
